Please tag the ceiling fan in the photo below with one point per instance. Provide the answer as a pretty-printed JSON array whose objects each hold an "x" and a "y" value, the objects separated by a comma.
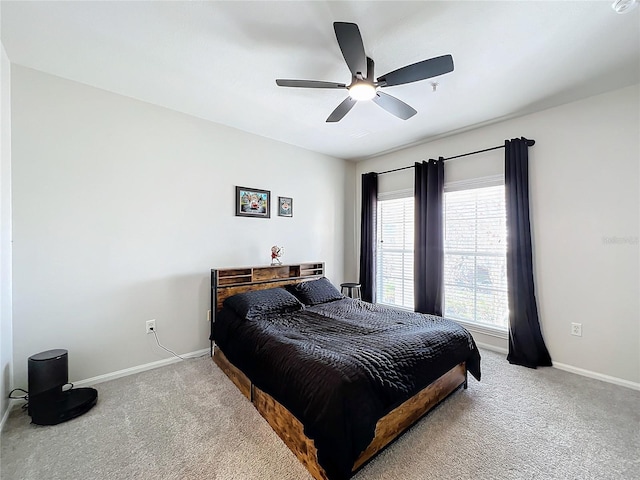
[{"x": 363, "y": 86}]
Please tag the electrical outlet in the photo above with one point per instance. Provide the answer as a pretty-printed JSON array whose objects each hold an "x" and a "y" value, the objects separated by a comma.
[
  {"x": 208, "y": 315},
  {"x": 151, "y": 326},
  {"x": 576, "y": 329}
]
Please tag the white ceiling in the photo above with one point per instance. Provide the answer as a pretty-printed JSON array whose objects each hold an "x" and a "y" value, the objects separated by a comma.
[{"x": 219, "y": 60}]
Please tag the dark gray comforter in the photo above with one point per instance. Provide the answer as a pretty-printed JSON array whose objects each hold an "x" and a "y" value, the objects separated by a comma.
[{"x": 341, "y": 366}]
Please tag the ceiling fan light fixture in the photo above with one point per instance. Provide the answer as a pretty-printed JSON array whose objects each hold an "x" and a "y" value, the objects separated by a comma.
[
  {"x": 624, "y": 6},
  {"x": 362, "y": 91}
]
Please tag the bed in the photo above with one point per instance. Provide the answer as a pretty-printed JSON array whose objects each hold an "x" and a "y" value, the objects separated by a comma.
[{"x": 338, "y": 379}]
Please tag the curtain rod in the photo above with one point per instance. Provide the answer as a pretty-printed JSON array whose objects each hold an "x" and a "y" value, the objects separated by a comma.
[{"x": 530, "y": 143}]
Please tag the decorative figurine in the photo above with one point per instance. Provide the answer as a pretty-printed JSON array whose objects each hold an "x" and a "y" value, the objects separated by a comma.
[{"x": 276, "y": 253}]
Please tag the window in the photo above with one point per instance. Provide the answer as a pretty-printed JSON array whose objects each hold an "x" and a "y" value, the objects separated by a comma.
[
  {"x": 395, "y": 249},
  {"x": 475, "y": 268}
]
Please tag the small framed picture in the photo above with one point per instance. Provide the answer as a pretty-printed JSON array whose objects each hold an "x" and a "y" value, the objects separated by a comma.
[
  {"x": 285, "y": 206},
  {"x": 253, "y": 202}
]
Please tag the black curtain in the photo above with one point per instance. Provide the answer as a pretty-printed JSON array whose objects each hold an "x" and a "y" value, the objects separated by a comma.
[
  {"x": 526, "y": 345},
  {"x": 368, "y": 236},
  {"x": 429, "y": 237}
]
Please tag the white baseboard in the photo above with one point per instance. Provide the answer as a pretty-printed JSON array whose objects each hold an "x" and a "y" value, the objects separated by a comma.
[
  {"x": 13, "y": 403},
  {"x": 597, "y": 376},
  {"x": 140, "y": 368},
  {"x": 493, "y": 348},
  {"x": 571, "y": 369}
]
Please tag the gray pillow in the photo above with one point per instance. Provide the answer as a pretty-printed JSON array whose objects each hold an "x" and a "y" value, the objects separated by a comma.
[
  {"x": 313, "y": 292},
  {"x": 258, "y": 303}
]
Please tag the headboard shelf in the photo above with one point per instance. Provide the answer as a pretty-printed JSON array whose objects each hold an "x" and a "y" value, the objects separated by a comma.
[
  {"x": 229, "y": 277},
  {"x": 234, "y": 276},
  {"x": 311, "y": 269}
]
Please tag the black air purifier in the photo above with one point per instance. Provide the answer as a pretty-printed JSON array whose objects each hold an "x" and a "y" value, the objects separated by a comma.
[{"x": 49, "y": 404}]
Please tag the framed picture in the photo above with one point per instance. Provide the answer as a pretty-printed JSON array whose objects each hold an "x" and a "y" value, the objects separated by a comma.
[
  {"x": 285, "y": 206},
  {"x": 253, "y": 202}
]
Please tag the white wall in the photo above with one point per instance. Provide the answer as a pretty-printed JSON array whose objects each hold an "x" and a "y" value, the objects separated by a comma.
[
  {"x": 6, "y": 335},
  {"x": 351, "y": 225},
  {"x": 585, "y": 207},
  {"x": 120, "y": 210}
]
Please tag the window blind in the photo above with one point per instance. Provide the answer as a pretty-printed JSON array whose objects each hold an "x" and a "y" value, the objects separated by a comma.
[
  {"x": 395, "y": 249},
  {"x": 475, "y": 256}
]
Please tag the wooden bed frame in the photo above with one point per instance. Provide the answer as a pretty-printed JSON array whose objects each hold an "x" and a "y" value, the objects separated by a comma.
[{"x": 227, "y": 282}]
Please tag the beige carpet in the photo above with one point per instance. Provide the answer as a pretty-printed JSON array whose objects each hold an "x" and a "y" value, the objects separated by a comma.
[{"x": 188, "y": 421}]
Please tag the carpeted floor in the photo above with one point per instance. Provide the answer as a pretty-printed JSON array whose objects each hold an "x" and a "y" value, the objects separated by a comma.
[{"x": 188, "y": 421}]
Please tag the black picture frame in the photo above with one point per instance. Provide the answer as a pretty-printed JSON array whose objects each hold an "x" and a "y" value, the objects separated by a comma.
[
  {"x": 285, "y": 206},
  {"x": 253, "y": 202}
]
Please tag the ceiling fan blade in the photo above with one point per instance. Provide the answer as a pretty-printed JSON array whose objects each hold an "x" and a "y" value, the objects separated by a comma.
[
  {"x": 341, "y": 110},
  {"x": 418, "y": 71},
  {"x": 350, "y": 41},
  {"x": 308, "y": 84},
  {"x": 394, "y": 106}
]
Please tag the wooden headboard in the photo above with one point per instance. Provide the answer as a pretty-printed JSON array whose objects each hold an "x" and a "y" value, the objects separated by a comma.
[{"x": 226, "y": 282}]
